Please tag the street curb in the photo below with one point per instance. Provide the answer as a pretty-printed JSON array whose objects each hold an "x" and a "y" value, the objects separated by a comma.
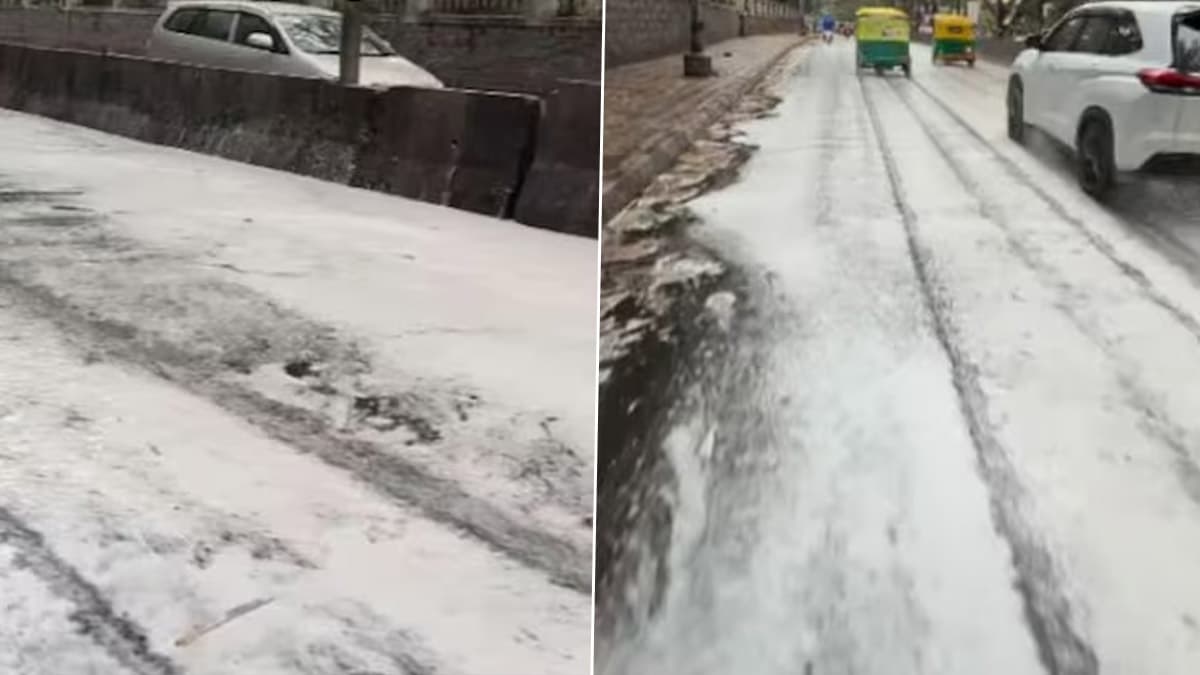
[{"x": 638, "y": 172}]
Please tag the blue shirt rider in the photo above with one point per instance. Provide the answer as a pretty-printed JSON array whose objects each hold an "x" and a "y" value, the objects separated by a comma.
[{"x": 828, "y": 23}]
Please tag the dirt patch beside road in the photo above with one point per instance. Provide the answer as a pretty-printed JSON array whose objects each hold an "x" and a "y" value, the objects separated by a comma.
[{"x": 666, "y": 300}]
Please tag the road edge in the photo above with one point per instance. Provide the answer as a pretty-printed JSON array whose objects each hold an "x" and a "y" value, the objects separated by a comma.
[{"x": 637, "y": 173}]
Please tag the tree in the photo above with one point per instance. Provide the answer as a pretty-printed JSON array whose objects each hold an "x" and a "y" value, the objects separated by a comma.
[{"x": 1030, "y": 16}]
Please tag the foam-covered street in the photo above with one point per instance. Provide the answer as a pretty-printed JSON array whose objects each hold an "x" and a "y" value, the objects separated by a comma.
[{"x": 955, "y": 430}]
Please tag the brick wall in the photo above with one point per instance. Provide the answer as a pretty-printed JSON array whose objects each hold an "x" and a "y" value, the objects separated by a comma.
[
  {"x": 484, "y": 52},
  {"x": 643, "y": 29}
]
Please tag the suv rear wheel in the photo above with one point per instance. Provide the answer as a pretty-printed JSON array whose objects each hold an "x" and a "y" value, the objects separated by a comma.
[
  {"x": 1016, "y": 110},
  {"x": 1095, "y": 165}
]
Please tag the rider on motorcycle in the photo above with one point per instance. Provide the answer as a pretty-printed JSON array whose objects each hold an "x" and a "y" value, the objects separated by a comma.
[{"x": 828, "y": 26}]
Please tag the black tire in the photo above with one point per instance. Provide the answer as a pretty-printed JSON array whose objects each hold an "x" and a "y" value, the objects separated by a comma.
[
  {"x": 907, "y": 71},
  {"x": 1095, "y": 166},
  {"x": 971, "y": 63},
  {"x": 879, "y": 70},
  {"x": 1016, "y": 110}
]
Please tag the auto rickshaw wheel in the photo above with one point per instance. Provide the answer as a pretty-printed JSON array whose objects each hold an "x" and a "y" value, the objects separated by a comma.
[
  {"x": 907, "y": 70},
  {"x": 971, "y": 63},
  {"x": 879, "y": 70}
]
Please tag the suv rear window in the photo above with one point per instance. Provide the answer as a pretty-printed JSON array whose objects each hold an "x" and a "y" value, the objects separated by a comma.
[{"x": 1187, "y": 43}]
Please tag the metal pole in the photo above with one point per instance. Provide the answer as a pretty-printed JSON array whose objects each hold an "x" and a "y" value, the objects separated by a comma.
[
  {"x": 695, "y": 62},
  {"x": 351, "y": 47}
]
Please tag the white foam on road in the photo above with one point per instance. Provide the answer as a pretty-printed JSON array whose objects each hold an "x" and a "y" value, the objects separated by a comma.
[
  {"x": 1091, "y": 388},
  {"x": 853, "y": 534},
  {"x": 852, "y": 527},
  {"x": 442, "y": 303},
  {"x": 439, "y": 293},
  {"x": 177, "y": 513}
]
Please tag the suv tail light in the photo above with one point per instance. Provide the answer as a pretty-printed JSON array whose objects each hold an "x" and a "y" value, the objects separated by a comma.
[{"x": 1170, "y": 81}]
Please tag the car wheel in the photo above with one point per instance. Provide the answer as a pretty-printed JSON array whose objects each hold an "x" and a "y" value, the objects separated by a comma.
[
  {"x": 1095, "y": 165},
  {"x": 1016, "y": 110}
]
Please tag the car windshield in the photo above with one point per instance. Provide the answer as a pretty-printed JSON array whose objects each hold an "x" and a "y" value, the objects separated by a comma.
[{"x": 322, "y": 34}]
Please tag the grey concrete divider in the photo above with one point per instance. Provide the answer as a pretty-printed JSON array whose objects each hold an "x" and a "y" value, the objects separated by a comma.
[
  {"x": 465, "y": 149},
  {"x": 462, "y": 149},
  {"x": 562, "y": 189}
]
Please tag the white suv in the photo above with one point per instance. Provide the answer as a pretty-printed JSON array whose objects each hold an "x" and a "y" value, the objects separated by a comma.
[{"x": 1117, "y": 81}]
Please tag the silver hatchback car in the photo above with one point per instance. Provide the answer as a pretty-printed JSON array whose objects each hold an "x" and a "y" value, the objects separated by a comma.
[{"x": 273, "y": 37}]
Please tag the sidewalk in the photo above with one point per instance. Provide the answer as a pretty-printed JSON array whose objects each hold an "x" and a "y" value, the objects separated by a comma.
[{"x": 652, "y": 113}]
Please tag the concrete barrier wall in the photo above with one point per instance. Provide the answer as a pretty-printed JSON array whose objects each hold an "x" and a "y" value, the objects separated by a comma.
[
  {"x": 477, "y": 52},
  {"x": 465, "y": 149},
  {"x": 638, "y": 30},
  {"x": 562, "y": 189}
]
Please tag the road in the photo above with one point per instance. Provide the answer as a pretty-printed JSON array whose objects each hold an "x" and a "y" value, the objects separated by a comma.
[
  {"x": 956, "y": 432},
  {"x": 256, "y": 423}
]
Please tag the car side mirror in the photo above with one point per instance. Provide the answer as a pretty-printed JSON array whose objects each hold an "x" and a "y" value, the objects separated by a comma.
[
  {"x": 1034, "y": 42},
  {"x": 261, "y": 41}
]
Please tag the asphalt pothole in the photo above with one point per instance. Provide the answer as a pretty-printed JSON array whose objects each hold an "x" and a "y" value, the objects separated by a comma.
[
  {"x": 300, "y": 368},
  {"x": 356, "y": 407},
  {"x": 388, "y": 413}
]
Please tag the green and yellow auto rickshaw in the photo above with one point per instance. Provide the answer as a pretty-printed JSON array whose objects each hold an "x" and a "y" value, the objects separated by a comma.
[
  {"x": 953, "y": 39},
  {"x": 881, "y": 36}
]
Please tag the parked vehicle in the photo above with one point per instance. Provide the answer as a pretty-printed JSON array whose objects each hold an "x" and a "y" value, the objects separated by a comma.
[
  {"x": 274, "y": 37},
  {"x": 925, "y": 29},
  {"x": 882, "y": 39},
  {"x": 1119, "y": 82},
  {"x": 953, "y": 39}
]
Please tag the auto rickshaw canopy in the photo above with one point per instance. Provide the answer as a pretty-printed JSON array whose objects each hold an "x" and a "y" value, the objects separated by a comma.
[
  {"x": 882, "y": 12},
  {"x": 881, "y": 24},
  {"x": 953, "y": 27}
]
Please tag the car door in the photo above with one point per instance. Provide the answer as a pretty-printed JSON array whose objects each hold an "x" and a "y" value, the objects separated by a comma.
[
  {"x": 1086, "y": 59},
  {"x": 247, "y": 57},
  {"x": 1041, "y": 78},
  {"x": 171, "y": 41},
  {"x": 211, "y": 33}
]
